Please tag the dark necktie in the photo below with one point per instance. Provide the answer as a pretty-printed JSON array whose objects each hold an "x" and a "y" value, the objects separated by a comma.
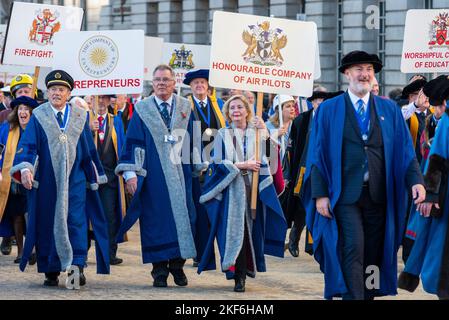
[
  {"x": 165, "y": 114},
  {"x": 361, "y": 110},
  {"x": 59, "y": 118}
]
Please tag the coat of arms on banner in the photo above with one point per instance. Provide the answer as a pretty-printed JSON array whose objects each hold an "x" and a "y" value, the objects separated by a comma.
[
  {"x": 264, "y": 44},
  {"x": 45, "y": 25},
  {"x": 438, "y": 30},
  {"x": 182, "y": 59}
]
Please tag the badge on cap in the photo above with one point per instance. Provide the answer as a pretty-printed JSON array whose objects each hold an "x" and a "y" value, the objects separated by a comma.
[
  {"x": 18, "y": 78},
  {"x": 57, "y": 75}
]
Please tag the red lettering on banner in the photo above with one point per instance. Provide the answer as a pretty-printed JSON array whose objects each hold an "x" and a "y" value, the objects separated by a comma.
[
  {"x": 107, "y": 83},
  {"x": 33, "y": 53}
]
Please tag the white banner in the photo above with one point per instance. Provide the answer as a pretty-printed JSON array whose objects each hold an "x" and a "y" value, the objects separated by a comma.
[
  {"x": 184, "y": 57},
  {"x": 153, "y": 56},
  {"x": 263, "y": 54},
  {"x": 32, "y": 29},
  {"x": 102, "y": 62},
  {"x": 426, "y": 41}
]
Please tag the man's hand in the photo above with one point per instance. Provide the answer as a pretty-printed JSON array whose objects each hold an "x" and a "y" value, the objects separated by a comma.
[
  {"x": 421, "y": 101},
  {"x": 94, "y": 125},
  {"x": 27, "y": 179},
  {"x": 131, "y": 185},
  {"x": 323, "y": 206},
  {"x": 419, "y": 193},
  {"x": 426, "y": 207}
]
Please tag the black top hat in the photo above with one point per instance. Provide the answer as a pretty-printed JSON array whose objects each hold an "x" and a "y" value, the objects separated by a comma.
[
  {"x": 318, "y": 95},
  {"x": 359, "y": 57},
  {"x": 413, "y": 87},
  {"x": 437, "y": 90},
  {"x": 202, "y": 73},
  {"x": 59, "y": 77},
  {"x": 331, "y": 95}
]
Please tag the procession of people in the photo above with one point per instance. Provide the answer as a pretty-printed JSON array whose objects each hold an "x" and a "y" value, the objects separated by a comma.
[{"x": 355, "y": 174}]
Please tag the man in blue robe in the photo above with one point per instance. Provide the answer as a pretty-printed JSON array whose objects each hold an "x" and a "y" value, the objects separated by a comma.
[
  {"x": 108, "y": 138},
  {"x": 208, "y": 119},
  {"x": 360, "y": 162},
  {"x": 429, "y": 257},
  {"x": 55, "y": 160},
  {"x": 159, "y": 175}
]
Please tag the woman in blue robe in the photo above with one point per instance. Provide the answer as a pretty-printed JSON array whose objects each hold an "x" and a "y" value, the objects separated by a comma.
[
  {"x": 243, "y": 239},
  {"x": 13, "y": 200}
]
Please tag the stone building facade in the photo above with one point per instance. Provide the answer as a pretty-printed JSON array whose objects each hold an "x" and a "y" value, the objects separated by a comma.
[{"x": 343, "y": 25}]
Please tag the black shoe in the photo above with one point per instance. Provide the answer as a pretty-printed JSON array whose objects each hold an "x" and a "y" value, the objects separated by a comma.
[
  {"x": 293, "y": 249},
  {"x": 239, "y": 285},
  {"x": 115, "y": 261},
  {"x": 17, "y": 260},
  {"x": 180, "y": 277},
  {"x": 82, "y": 279},
  {"x": 5, "y": 247},
  {"x": 32, "y": 260},
  {"x": 160, "y": 282},
  {"x": 195, "y": 263},
  {"x": 51, "y": 279}
]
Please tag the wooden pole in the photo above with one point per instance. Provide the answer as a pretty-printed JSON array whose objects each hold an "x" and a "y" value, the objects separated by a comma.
[
  {"x": 255, "y": 183},
  {"x": 96, "y": 104},
  {"x": 35, "y": 79}
]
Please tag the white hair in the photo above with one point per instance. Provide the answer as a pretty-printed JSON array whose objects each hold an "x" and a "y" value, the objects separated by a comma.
[{"x": 80, "y": 102}]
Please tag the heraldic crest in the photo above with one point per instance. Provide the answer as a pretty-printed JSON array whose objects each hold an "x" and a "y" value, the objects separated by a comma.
[
  {"x": 264, "y": 44},
  {"x": 45, "y": 25},
  {"x": 438, "y": 30}
]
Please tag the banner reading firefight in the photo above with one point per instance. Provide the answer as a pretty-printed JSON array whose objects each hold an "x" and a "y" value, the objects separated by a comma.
[
  {"x": 267, "y": 54},
  {"x": 102, "y": 62},
  {"x": 426, "y": 41},
  {"x": 31, "y": 31}
]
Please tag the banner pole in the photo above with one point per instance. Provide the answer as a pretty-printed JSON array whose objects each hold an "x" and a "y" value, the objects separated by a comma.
[
  {"x": 35, "y": 79},
  {"x": 255, "y": 182}
]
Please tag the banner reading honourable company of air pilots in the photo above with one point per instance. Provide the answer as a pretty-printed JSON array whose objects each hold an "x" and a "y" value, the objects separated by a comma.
[
  {"x": 31, "y": 31},
  {"x": 263, "y": 54},
  {"x": 102, "y": 62},
  {"x": 426, "y": 41}
]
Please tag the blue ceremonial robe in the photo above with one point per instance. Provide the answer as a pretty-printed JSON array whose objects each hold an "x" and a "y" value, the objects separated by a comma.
[
  {"x": 118, "y": 138},
  {"x": 325, "y": 153},
  {"x": 60, "y": 206},
  {"x": 163, "y": 202},
  {"x": 427, "y": 255},
  {"x": 225, "y": 198},
  {"x": 6, "y": 228}
]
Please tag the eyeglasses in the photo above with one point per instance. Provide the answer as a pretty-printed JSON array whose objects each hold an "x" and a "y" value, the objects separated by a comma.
[{"x": 163, "y": 80}]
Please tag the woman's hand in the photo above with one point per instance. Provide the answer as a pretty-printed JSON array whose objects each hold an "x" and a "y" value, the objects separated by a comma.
[
  {"x": 251, "y": 165},
  {"x": 259, "y": 124}
]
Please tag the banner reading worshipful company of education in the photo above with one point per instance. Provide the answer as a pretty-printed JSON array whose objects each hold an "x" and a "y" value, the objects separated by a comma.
[
  {"x": 426, "y": 41},
  {"x": 263, "y": 54},
  {"x": 30, "y": 37},
  {"x": 102, "y": 62}
]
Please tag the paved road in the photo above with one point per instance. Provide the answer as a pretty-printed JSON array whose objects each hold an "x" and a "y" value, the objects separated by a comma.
[{"x": 289, "y": 278}]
